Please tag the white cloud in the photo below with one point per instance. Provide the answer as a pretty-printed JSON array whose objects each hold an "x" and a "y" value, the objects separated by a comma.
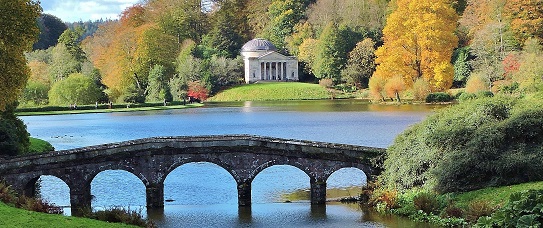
[{"x": 84, "y": 10}]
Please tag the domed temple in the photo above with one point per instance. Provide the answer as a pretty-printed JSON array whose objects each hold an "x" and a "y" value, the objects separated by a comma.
[{"x": 264, "y": 63}]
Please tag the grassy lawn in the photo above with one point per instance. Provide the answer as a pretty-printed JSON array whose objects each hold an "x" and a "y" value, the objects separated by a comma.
[
  {"x": 273, "y": 91},
  {"x": 39, "y": 146},
  {"x": 494, "y": 195},
  {"x": 117, "y": 109},
  {"x": 15, "y": 217}
]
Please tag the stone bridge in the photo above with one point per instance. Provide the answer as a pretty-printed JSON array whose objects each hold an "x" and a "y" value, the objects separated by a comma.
[{"x": 152, "y": 159}]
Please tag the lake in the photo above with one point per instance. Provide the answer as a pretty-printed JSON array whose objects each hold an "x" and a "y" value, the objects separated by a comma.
[{"x": 205, "y": 195}]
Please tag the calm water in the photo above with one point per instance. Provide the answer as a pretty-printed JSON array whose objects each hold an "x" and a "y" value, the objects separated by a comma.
[{"x": 203, "y": 194}]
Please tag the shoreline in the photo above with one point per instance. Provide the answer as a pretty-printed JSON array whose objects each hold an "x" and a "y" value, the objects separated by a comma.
[{"x": 112, "y": 110}]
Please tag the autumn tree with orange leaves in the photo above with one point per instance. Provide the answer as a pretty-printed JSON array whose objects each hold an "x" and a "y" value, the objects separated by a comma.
[
  {"x": 419, "y": 40},
  {"x": 526, "y": 18}
]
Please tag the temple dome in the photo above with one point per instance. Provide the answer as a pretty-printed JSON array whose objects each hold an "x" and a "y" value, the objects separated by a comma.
[{"x": 258, "y": 44}]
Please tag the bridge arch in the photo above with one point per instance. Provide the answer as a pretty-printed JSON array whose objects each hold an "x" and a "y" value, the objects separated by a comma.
[
  {"x": 117, "y": 187},
  {"x": 362, "y": 168},
  {"x": 282, "y": 176},
  {"x": 212, "y": 178},
  {"x": 90, "y": 174},
  {"x": 216, "y": 161},
  {"x": 275, "y": 162},
  {"x": 29, "y": 186}
]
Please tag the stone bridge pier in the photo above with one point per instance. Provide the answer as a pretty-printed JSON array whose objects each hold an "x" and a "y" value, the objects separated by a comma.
[{"x": 152, "y": 159}]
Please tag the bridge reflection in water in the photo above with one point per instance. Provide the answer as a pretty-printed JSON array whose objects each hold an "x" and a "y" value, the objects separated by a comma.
[{"x": 152, "y": 159}]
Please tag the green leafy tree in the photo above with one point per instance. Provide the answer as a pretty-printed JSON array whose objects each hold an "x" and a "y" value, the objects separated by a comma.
[
  {"x": 302, "y": 31},
  {"x": 63, "y": 63},
  {"x": 76, "y": 89},
  {"x": 35, "y": 93},
  {"x": 226, "y": 37},
  {"x": 158, "y": 89},
  {"x": 18, "y": 31},
  {"x": 257, "y": 17},
  {"x": 179, "y": 88},
  {"x": 14, "y": 138},
  {"x": 70, "y": 39},
  {"x": 462, "y": 68},
  {"x": 284, "y": 15},
  {"x": 361, "y": 64},
  {"x": 180, "y": 18},
  {"x": 331, "y": 52}
]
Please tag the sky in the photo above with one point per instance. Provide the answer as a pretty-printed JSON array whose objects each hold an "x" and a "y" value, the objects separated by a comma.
[{"x": 84, "y": 10}]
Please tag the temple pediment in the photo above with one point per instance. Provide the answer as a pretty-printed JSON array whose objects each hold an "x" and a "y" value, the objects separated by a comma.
[{"x": 274, "y": 56}]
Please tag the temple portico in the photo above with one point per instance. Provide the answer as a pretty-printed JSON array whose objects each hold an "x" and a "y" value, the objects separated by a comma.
[{"x": 263, "y": 63}]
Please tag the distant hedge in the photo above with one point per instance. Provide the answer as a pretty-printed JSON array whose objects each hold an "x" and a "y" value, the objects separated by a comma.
[
  {"x": 92, "y": 107},
  {"x": 438, "y": 97},
  {"x": 480, "y": 143}
]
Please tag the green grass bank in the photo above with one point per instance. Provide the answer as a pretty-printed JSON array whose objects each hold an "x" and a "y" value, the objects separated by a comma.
[
  {"x": 11, "y": 217},
  {"x": 55, "y": 110},
  {"x": 39, "y": 146},
  {"x": 273, "y": 91}
]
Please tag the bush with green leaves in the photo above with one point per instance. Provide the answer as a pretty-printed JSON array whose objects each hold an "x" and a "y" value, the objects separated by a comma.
[
  {"x": 438, "y": 97},
  {"x": 76, "y": 89},
  {"x": 524, "y": 209},
  {"x": 14, "y": 138},
  {"x": 480, "y": 143}
]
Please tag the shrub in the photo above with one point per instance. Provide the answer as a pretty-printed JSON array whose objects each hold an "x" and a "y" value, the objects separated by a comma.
[
  {"x": 9, "y": 196},
  {"x": 476, "y": 144},
  {"x": 524, "y": 209},
  {"x": 120, "y": 215},
  {"x": 477, "y": 209},
  {"x": 326, "y": 83},
  {"x": 421, "y": 89},
  {"x": 452, "y": 211},
  {"x": 476, "y": 83},
  {"x": 427, "y": 202},
  {"x": 385, "y": 199},
  {"x": 394, "y": 86},
  {"x": 438, "y": 97},
  {"x": 13, "y": 134},
  {"x": 464, "y": 96}
]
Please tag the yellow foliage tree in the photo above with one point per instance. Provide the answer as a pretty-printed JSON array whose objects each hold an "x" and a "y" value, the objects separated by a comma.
[{"x": 419, "y": 40}]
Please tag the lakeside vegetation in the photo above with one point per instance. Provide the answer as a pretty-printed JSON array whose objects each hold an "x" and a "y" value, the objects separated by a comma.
[
  {"x": 57, "y": 110},
  {"x": 461, "y": 165},
  {"x": 11, "y": 217}
]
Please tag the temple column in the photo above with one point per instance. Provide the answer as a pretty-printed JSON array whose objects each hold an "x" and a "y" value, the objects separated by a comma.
[
  {"x": 274, "y": 68},
  {"x": 285, "y": 75},
  {"x": 155, "y": 195},
  {"x": 261, "y": 70},
  {"x": 244, "y": 194},
  {"x": 280, "y": 67},
  {"x": 266, "y": 69},
  {"x": 318, "y": 192}
]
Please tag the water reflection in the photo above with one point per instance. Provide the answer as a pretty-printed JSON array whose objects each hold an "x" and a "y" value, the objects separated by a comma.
[
  {"x": 245, "y": 215},
  {"x": 318, "y": 213}
]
